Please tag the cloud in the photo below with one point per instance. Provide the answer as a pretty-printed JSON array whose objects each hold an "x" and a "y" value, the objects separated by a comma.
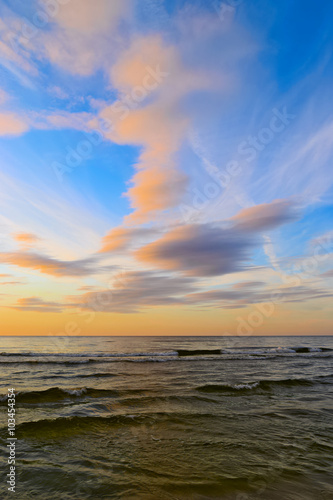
[
  {"x": 25, "y": 239},
  {"x": 37, "y": 304},
  {"x": 54, "y": 267},
  {"x": 78, "y": 36},
  {"x": 12, "y": 124},
  {"x": 327, "y": 274},
  {"x": 152, "y": 81},
  {"x": 88, "y": 18},
  {"x": 83, "y": 35},
  {"x": 3, "y": 97},
  {"x": 58, "y": 92},
  {"x": 12, "y": 283},
  {"x": 209, "y": 249},
  {"x": 303, "y": 293},
  {"x": 199, "y": 250},
  {"x": 241, "y": 298},
  {"x": 12, "y": 43},
  {"x": 248, "y": 284},
  {"x": 61, "y": 119},
  {"x": 121, "y": 238},
  {"x": 266, "y": 216},
  {"x": 134, "y": 291}
]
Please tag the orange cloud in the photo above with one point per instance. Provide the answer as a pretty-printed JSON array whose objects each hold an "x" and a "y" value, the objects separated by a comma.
[
  {"x": 152, "y": 81},
  {"x": 138, "y": 63},
  {"x": 158, "y": 184},
  {"x": 37, "y": 304},
  {"x": 54, "y": 267},
  {"x": 121, "y": 238},
  {"x": 25, "y": 238},
  {"x": 116, "y": 239},
  {"x": 12, "y": 283}
]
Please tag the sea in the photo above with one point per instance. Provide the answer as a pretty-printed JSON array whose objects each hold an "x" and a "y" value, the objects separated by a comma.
[{"x": 232, "y": 418}]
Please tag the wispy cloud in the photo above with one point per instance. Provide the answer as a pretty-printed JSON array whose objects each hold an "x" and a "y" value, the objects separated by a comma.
[
  {"x": 54, "y": 267},
  {"x": 136, "y": 291},
  {"x": 122, "y": 238},
  {"x": 37, "y": 304}
]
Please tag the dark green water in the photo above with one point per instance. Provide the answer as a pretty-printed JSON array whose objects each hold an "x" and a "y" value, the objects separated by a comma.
[{"x": 133, "y": 418}]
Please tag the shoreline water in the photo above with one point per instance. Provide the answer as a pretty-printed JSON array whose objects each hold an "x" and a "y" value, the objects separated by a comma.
[{"x": 151, "y": 418}]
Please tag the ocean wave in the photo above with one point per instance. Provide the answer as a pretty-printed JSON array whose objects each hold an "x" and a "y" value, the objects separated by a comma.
[
  {"x": 50, "y": 362},
  {"x": 54, "y": 394},
  {"x": 261, "y": 384},
  {"x": 78, "y": 423},
  {"x": 275, "y": 350},
  {"x": 245, "y": 353},
  {"x": 70, "y": 424},
  {"x": 174, "y": 352},
  {"x": 197, "y": 352},
  {"x": 89, "y": 355}
]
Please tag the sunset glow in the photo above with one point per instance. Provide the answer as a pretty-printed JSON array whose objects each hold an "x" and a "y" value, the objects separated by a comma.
[{"x": 165, "y": 177}]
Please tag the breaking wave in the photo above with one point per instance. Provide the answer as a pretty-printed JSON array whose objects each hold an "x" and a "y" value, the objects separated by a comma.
[{"x": 261, "y": 384}]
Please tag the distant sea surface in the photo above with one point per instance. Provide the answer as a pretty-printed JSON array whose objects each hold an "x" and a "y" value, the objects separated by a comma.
[{"x": 169, "y": 417}]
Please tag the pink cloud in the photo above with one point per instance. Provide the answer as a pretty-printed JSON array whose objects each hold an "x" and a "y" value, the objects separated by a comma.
[
  {"x": 12, "y": 124},
  {"x": 152, "y": 81},
  {"x": 266, "y": 216}
]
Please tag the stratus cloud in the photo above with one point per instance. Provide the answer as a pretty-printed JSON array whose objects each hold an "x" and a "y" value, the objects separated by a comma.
[
  {"x": 327, "y": 274},
  {"x": 37, "y": 304},
  {"x": 248, "y": 284},
  {"x": 12, "y": 283},
  {"x": 53, "y": 267},
  {"x": 199, "y": 250},
  {"x": 266, "y": 216},
  {"x": 210, "y": 249},
  {"x": 134, "y": 291},
  {"x": 226, "y": 298}
]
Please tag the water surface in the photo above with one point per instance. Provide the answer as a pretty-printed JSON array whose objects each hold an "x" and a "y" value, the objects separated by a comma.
[{"x": 170, "y": 417}]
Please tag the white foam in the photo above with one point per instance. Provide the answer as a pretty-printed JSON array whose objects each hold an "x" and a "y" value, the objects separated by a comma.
[
  {"x": 246, "y": 386},
  {"x": 75, "y": 392}
]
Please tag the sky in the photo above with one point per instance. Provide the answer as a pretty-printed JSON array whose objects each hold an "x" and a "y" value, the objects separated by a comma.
[{"x": 166, "y": 167}]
